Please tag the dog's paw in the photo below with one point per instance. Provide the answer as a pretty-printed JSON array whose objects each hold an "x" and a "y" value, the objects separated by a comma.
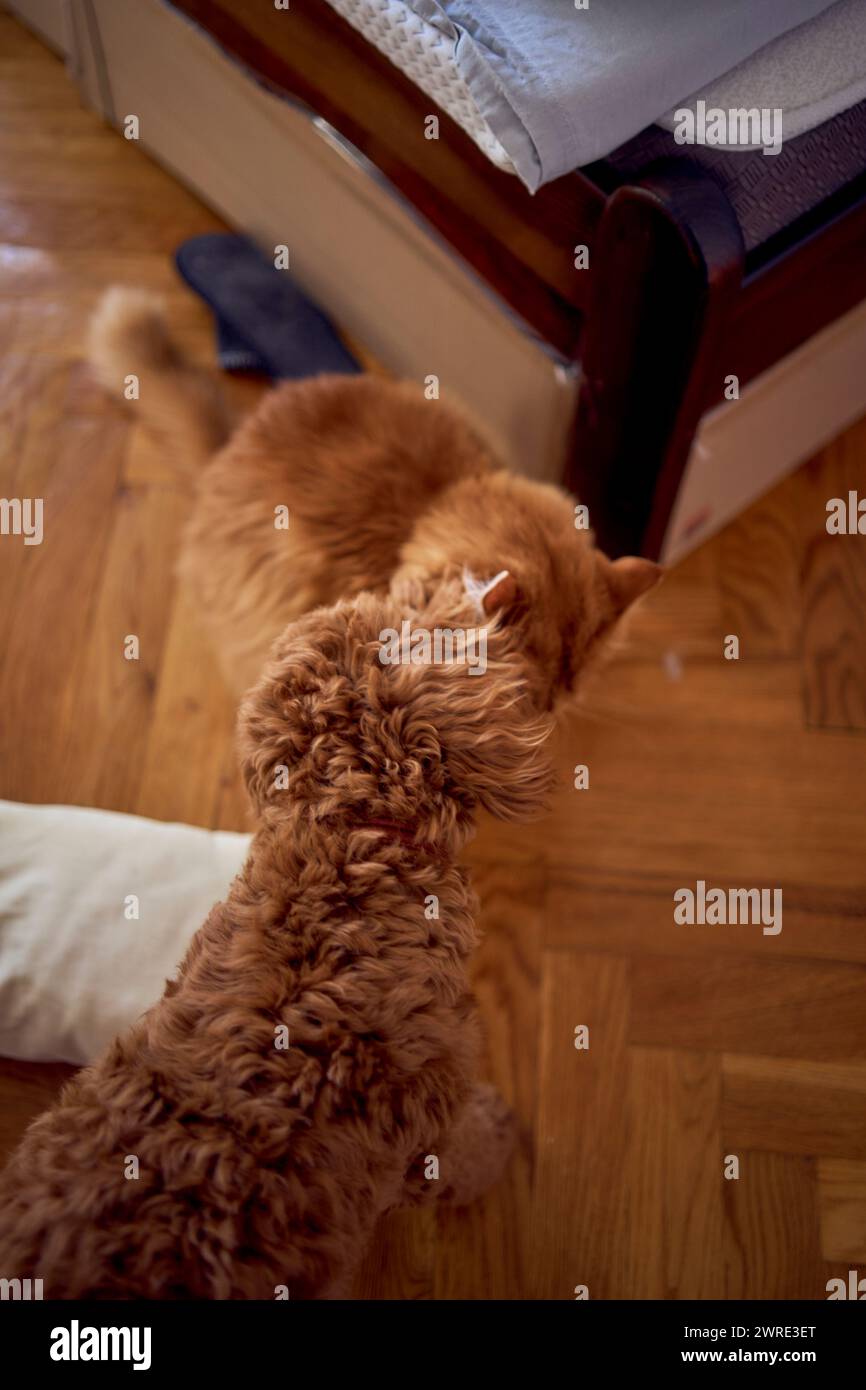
[{"x": 479, "y": 1147}]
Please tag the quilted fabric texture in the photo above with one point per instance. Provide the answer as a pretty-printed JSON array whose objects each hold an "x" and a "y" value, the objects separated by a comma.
[
  {"x": 543, "y": 87},
  {"x": 425, "y": 54}
]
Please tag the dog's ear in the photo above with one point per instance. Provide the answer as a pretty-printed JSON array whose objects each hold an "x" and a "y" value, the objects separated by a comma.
[
  {"x": 491, "y": 736},
  {"x": 304, "y": 693},
  {"x": 266, "y": 738},
  {"x": 493, "y": 742}
]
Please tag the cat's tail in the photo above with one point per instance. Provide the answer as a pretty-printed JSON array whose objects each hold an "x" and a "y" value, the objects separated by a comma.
[{"x": 135, "y": 359}]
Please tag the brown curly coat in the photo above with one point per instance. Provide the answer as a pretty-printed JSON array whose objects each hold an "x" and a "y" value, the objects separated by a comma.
[{"x": 260, "y": 1167}]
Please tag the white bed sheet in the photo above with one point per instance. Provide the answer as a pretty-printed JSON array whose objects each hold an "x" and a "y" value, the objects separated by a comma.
[{"x": 542, "y": 87}]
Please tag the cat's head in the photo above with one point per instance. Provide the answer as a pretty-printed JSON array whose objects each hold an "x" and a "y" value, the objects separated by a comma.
[{"x": 559, "y": 594}]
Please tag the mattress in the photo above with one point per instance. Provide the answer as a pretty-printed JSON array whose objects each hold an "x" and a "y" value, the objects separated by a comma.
[{"x": 543, "y": 87}]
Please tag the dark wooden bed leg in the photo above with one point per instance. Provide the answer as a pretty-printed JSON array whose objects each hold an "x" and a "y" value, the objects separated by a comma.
[{"x": 667, "y": 269}]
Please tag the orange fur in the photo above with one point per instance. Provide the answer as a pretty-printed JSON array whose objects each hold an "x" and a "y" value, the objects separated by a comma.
[
  {"x": 377, "y": 480},
  {"x": 258, "y": 1166},
  {"x": 261, "y": 1167},
  {"x": 182, "y": 404}
]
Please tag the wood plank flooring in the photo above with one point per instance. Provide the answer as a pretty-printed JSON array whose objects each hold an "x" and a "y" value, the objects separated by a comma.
[{"x": 705, "y": 1042}]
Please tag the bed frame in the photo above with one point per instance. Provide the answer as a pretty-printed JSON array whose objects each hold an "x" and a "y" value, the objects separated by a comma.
[{"x": 669, "y": 305}]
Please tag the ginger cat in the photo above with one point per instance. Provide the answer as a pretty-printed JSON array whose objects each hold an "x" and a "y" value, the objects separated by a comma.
[{"x": 377, "y": 482}]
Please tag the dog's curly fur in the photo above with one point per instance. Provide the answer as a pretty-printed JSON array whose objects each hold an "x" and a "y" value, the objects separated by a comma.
[{"x": 261, "y": 1167}]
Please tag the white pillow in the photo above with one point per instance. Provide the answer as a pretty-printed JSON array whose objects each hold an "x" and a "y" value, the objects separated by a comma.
[{"x": 76, "y": 964}]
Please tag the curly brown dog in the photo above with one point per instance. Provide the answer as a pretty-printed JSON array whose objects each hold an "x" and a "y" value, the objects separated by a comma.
[{"x": 317, "y": 1050}]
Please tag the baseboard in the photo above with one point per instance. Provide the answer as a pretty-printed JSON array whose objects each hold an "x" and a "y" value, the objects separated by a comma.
[
  {"x": 48, "y": 19},
  {"x": 783, "y": 417}
]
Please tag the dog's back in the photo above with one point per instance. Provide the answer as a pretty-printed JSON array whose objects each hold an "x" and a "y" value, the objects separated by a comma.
[
  {"x": 320, "y": 1039},
  {"x": 247, "y": 1133}
]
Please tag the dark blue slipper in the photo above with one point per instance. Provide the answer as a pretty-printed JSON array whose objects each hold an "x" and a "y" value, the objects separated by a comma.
[
  {"x": 264, "y": 322},
  {"x": 233, "y": 354}
]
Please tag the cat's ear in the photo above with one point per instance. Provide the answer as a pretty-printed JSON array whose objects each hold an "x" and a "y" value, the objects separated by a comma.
[
  {"x": 630, "y": 577},
  {"x": 494, "y": 597},
  {"x": 502, "y": 596}
]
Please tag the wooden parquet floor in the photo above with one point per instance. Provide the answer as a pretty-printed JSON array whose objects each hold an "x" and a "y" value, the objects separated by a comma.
[{"x": 704, "y": 1041}]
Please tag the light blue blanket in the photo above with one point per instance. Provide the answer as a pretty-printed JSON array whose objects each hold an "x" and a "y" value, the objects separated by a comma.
[{"x": 561, "y": 86}]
